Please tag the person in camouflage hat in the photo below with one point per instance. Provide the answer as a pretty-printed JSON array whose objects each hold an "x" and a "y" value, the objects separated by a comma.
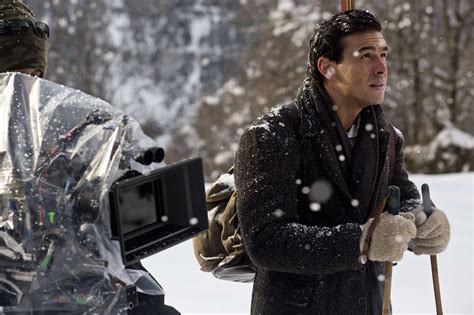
[{"x": 23, "y": 39}]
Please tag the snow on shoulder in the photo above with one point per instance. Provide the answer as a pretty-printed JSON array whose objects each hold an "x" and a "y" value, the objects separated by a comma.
[
  {"x": 263, "y": 122},
  {"x": 265, "y": 125}
]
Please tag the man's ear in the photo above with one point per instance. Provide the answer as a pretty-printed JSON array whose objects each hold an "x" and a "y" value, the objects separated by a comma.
[{"x": 325, "y": 67}]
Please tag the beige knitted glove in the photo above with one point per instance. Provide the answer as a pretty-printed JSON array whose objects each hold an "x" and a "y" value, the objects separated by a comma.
[
  {"x": 433, "y": 233},
  {"x": 390, "y": 237}
]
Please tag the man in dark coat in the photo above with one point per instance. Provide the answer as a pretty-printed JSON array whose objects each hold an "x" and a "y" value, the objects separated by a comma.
[{"x": 306, "y": 190}]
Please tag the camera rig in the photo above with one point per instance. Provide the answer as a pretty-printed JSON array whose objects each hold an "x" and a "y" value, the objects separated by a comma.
[{"x": 82, "y": 200}]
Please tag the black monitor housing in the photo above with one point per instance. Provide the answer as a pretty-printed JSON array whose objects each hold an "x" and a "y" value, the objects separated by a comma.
[{"x": 152, "y": 212}]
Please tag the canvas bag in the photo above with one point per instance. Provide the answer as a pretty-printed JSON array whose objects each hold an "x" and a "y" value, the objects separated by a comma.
[{"x": 220, "y": 249}]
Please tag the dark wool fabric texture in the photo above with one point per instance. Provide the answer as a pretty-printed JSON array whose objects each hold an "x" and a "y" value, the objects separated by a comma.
[
  {"x": 19, "y": 51},
  {"x": 307, "y": 261}
]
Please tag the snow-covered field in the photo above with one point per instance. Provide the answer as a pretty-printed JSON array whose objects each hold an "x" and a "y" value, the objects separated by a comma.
[{"x": 192, "y": 291}]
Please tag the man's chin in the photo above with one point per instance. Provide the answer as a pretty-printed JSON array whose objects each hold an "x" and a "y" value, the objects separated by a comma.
[{"x": 376, "y": 100}]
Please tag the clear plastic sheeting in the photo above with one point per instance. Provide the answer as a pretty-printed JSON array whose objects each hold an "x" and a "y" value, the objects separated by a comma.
[{"x": 60, "y": 152}]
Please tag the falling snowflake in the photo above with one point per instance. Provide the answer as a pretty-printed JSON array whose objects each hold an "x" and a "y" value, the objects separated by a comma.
[
  {"x": 278, "y": 213},
  {"x": 321, "y": 191},
  {"x": 330, "y": 73},
  {"x": 398, "y": 238},
  {"x": 314, "y": 206}
]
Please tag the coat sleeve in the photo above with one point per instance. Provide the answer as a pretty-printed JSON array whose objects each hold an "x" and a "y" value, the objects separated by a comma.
[
  {"x": 409, "y": 195},
  {"x": 265, "y": 174}
]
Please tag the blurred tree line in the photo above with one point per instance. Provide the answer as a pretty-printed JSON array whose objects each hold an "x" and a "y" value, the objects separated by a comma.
[
  {"x": 210, "y": 84},
  {"x": 431, "y": 69}
]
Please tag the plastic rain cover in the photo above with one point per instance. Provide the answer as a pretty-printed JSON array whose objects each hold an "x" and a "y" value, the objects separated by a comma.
[{"x": 60, "y": 151}]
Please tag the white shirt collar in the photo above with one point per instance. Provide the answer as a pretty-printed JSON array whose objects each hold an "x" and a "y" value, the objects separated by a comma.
[{"x": 353, "y": 131}]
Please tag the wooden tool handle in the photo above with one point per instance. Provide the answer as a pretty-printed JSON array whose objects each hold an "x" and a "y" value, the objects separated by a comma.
[{"x": 387, "y": 288}]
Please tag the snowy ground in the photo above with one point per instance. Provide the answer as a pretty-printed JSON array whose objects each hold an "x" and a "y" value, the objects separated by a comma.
[{"x": 192, "y": 291}]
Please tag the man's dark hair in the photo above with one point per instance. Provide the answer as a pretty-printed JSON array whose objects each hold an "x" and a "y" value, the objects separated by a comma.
[{"x": 327, "y": 38}]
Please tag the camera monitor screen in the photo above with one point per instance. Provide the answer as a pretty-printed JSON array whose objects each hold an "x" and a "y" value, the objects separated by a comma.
[
  {"x": 144, "y": 199},
  {"x": 155, "y": 211}
]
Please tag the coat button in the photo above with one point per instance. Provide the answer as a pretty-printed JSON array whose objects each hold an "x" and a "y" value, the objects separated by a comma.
[{"x": 361, "y": 301}]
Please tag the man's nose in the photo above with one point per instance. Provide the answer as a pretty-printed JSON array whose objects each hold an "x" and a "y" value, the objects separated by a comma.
[{"x": 380, "y": 66}]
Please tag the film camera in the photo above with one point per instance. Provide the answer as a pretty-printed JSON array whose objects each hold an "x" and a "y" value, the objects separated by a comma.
[
  {"x": 148, "y": 212},
  {"x": 84, "y": 196}
]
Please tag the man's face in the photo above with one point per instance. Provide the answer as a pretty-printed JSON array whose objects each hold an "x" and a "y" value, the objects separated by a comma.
[{"x": 361, "y": 76}]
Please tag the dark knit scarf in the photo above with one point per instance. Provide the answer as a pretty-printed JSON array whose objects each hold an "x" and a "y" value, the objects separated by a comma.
[{"x": 360, "y": 165}]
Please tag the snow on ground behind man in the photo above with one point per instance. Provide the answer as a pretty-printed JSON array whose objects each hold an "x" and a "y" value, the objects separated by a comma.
[{"x": 192, "y": 291}]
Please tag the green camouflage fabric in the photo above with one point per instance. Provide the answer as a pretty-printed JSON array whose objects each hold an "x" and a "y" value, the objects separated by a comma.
[{"x": 19, "y": 51}]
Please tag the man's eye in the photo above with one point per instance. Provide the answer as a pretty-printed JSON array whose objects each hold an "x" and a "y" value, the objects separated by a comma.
[{"x": 366, "y": 55}]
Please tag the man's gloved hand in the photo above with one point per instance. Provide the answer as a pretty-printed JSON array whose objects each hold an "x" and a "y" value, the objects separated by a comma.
[
  {"x": 390, "y": 237},
  {"x": 433, "y": 233}
]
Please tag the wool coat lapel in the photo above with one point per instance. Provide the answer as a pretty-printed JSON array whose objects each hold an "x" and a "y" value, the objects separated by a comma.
[
  {"x": 315, "y": 134},
  {"x": 364, "y": 157},
  {"x": 368, "y": 161},
  {"x": 383, "y": 178},
  {"x": 322, "y": 145}
]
